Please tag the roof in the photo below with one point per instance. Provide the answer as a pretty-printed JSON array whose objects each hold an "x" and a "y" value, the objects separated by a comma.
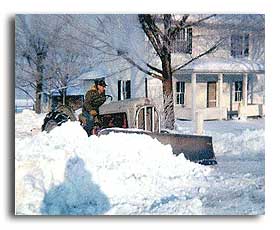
[
  {"x": 218, "y": 65},
  {"x": 72, "y": 90},
  {"x": 92, "y": 75},
  {"x": 24, "y": 102}
]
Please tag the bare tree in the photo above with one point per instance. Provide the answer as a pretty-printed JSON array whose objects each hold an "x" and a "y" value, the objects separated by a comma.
[
  {"x": 46, "y": 58},
  {"x": 64, "y": 66},
  {"x": 33, "y": 48}
]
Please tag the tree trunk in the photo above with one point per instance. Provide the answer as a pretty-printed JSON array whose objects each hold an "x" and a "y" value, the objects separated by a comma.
[
  {"x": 38, "y": 97},
  {"x": 39, "y": 83},
  {"x": 168, "y": 105},
  {"x": 64, "y": 96},
  {"x": 49, "y": 102},
  {"x": 39, "y": 88},
  {"x": 167, "y": 86}
]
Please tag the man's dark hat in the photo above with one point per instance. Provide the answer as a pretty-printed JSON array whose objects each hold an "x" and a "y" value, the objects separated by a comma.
[{"x": 101, "y": 82}]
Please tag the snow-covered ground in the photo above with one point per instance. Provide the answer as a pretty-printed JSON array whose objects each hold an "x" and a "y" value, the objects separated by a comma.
[{"x": 67, "y": 173}]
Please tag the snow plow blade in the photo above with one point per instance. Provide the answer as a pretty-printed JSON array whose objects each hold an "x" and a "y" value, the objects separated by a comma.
[{"x": 195, "y": 148}]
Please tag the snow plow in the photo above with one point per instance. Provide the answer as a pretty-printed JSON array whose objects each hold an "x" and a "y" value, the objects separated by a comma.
[{"x": 141, "y": 116}]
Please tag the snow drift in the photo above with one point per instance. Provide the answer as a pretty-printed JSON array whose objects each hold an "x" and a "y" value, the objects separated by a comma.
[{"x": 66, "y": 173}]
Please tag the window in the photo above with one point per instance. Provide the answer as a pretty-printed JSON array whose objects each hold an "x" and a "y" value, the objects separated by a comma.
[
  {"x": 180, "y": 93},
  {"x": 183, "y": 41},
  {"x": 124, "y": 90},
  {"x": 238, "y": 91},
  {"x": 240, "y": 45}
]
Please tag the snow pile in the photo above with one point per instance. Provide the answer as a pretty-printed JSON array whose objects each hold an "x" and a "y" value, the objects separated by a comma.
[
  {"x": 236, "y": 187},
  {"x": 235, "y": 137},
  {"x": 27, "y": 122},
  {"x": 248, "y": 143},
  {"x": 65, "y": 172}
]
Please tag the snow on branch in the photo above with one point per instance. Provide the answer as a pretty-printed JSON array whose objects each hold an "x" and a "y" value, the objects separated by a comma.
[
  {"x": 132, "y": 62},
  {"x": 26, "y": 92},
  {"x": 152, "y": 31},
  {"x": 212, "y": 49}
]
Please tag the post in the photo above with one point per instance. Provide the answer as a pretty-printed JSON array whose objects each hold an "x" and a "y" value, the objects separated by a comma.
[
  {"x": 244, "y": 90},
  {"x": 145, "y": 118},
  {"x": 230, "y": 99},
  {"x": 220, "y": 93},
  {"x": 199, "y": 122},
  {"x": 243, "y": 109},
  {"x": 193, "y": 96},
  {"x": 153, "y": 119},
  {"x": 251, "y": 86}
]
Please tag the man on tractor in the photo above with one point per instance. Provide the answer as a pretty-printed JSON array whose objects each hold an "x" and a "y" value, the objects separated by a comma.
[{"x": 95, "y": 97}]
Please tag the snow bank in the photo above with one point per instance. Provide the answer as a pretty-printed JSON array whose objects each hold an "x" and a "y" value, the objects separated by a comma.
[
  {"x": 65, "y": 172},
  {"x": 235, "y": 137},
  {"x": 249, "y": 143},
  {"x": 27, "y": 122}
]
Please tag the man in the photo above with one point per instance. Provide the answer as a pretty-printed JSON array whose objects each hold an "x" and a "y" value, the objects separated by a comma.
[{"x": 94, "y": 98}]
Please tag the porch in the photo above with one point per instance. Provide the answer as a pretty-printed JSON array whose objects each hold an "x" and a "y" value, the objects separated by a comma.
[{"x": 220, "y": 93}]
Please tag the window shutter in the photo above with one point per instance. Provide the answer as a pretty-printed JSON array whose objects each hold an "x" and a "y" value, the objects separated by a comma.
[
  {"x": 146, "y": 87},
  {"x": 232, "y": 50},
  {"x": 246, "y": 45},
  {"x": 189, "y": 40},
  {"x": 119, "y": 89},
  {"x": 177, "y": 87},
  {"x": 128, "y": 89}
]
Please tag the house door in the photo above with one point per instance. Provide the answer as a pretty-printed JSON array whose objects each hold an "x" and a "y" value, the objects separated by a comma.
[{"x": 211, "y": 94}]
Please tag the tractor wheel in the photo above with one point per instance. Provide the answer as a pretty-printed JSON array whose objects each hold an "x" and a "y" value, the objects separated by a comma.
[{"x": 51, "y": 124}]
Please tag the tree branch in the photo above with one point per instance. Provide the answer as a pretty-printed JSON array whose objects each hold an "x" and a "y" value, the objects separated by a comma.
[
  {"x": 146, "y": 22},
  {"x": 154, "y": 68},
  {"x": 198, "y": 56},
  {"x": 129, "y": 60},
  {"x": 182, "y": 24},
  {"x": 201, "y": 20},
  {"x": 26, "y": 92},
  {"x": 174, "y": 30}
]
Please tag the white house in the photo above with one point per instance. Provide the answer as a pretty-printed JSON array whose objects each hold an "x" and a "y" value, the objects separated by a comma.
[{"x": 227, "y": 82}]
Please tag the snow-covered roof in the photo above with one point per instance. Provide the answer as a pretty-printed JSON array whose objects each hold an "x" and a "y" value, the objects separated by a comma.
[
  {"x": 91, "y": 75},
  {"x": 71, "y": 91},
  {"x": 24, "y": 102},
  {"x": 215, "y": 65},
  {"x": 75, "y": 90},
  {"x": 249, "y": 21}
]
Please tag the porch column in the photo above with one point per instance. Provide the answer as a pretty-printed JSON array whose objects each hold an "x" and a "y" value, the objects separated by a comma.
[
  {"x": 244, "y": 90},
  {"x": 242, "y": 109},
  {"x": 193, "y": 95},
  {"x": 220, "y": 93}
]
